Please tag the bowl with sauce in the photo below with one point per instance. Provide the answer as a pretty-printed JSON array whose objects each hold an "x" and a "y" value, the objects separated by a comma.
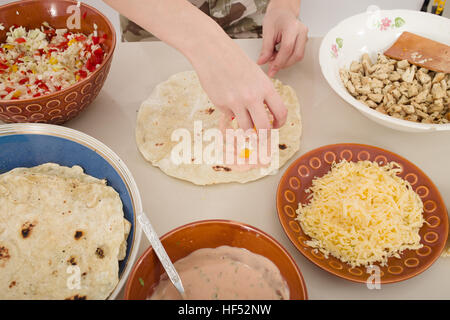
[{"x": 219, "y": 260}]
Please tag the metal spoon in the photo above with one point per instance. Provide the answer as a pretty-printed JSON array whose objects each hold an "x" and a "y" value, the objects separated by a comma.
[{"x": 161, "y": 253}]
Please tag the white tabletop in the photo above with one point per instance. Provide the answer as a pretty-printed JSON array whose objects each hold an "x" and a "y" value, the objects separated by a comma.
[{"x": 327, "y": 119}]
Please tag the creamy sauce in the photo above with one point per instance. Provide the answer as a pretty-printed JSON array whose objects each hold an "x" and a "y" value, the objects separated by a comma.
[{"x": 225, "y": 273}]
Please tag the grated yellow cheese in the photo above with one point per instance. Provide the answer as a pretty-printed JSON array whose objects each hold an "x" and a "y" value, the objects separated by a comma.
[{"x": 362, "y": 213}]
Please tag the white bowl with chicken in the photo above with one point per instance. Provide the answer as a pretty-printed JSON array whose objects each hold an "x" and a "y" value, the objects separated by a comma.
[{"x": 394, "y": 94}]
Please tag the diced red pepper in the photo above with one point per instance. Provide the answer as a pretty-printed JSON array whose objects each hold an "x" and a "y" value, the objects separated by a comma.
[
  {"x": 67, "y": 34},
  {"x": 43, "y": 86},
  {"x": 20, "y": 40},
  {"x": 3, "y": 66},
  {"x": 9, "y": 90},
  {"x": 98, "y": 52},
  {"x": 63, "y": 45},
  {"x": 96, "y": 40},
  {"x": 58, "y": 88},
  {"x": 82, "y": 73},
  {"x": 88, "y": 47},
  {"x": 80, "y": 38},
  {"x": 94, "y": 60},
  {"x": 49, "y": 34},
  {"x": 90, "y": 65},
  {"x": 36, "y": 95},
  {"x": 23, "y": 81},
  {"x": 2, "y": 96}
]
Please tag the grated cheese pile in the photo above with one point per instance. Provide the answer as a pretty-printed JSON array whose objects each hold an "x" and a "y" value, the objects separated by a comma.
[{"x": 362, "y": 213}]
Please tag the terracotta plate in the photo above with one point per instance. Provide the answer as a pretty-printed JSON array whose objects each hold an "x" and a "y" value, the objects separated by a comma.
[
  {"x": 298, "y": 177},
  {"x": 181, "y": 241}
]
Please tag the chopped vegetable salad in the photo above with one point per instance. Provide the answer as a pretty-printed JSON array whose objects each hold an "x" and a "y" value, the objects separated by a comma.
[{"x": 46, "y": 60}]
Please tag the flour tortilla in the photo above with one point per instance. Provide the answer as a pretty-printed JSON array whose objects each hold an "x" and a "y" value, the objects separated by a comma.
[
  {"x": 177, "y": 103},
  {"x": 53, "y": 219}
]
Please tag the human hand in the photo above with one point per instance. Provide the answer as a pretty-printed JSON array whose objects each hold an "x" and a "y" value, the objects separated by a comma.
[
  {"x": 281, "y": 26},
  {"x": 233, "y": 82},
  {"x": 237, "y": 85}
]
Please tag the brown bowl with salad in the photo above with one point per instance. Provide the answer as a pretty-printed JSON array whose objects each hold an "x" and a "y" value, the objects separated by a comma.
[{"x": 55, "y": 56}]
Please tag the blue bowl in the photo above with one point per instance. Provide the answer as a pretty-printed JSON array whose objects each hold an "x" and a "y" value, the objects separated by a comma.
[{"x": 29, "y": 145}]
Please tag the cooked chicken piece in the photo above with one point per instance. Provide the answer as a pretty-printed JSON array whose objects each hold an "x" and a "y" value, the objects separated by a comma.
[{"x": 399, "y": 89}]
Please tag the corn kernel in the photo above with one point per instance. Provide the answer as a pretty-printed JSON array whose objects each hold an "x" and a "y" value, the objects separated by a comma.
[
  {"x": 53, "y": 60},
  {"x": 8, "y": 46},
  {"x": 17, "y": 94},
  {"x": 71, "y": 42},
  {"x": 14, "y": 68},
  {"x": 245, "y": 153}
]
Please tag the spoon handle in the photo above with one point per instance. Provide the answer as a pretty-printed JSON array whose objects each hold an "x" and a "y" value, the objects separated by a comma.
[{"x": 161, "y": 252}]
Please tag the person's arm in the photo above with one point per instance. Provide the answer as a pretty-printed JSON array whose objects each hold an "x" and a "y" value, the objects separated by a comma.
[
  {"x": 282, "y": 26},
  {"x": 233, "y": 82}
]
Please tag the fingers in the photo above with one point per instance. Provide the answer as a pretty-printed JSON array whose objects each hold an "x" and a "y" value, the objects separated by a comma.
[
  {"x": 286, "y": 49},
  {"x": 228, "y": 114},
  {"x": 259, "y": 116},
  {"x": 299, "y": 51},
  {"x": 243, "y": 119},
  {"x": 268, "y": 46},
  {"x": 277, "y": 107},
  {"x": 292, "y": 49}
]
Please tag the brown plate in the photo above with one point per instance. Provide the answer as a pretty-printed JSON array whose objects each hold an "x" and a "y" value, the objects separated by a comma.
[
  {"x": 61, "y": 106},
  {"x": 182, "y": 241},
  {"x": 316, "y": 163}
]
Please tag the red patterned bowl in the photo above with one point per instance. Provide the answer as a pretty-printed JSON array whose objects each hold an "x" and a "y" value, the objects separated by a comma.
[
  {"x": 66, "y": 104},
  {"x": 316, "y": 163}
]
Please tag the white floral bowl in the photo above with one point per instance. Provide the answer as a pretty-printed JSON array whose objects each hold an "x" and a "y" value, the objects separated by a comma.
[{"x": 372, "y": 32}]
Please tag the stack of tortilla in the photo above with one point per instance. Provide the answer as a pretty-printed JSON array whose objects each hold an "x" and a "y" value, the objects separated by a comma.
[{"x": 62, "y": 234}]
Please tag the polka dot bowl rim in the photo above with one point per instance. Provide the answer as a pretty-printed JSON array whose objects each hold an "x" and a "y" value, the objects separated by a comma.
[{"x": 397, "y": 269}]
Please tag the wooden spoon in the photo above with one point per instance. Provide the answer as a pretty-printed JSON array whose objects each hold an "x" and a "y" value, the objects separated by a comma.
[{"x": 420, "y": 51}]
